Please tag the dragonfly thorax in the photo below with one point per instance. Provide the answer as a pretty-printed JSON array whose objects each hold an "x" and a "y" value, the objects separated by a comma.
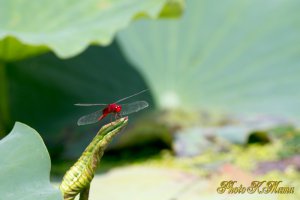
[{"x": 112, "y": 108}]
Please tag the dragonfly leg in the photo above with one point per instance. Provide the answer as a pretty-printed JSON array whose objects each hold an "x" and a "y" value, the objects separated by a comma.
[
  {"x": 111, "y": 119},
  {"x": 118, "y": 116}
]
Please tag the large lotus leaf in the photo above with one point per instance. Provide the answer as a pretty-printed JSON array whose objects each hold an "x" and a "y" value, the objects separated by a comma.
[
  {"x": 68, "y": 27},
  {"x": 42, "y": 91},
  {"x": 25, "y": 166},
  {"x": 236, "y": 56}
]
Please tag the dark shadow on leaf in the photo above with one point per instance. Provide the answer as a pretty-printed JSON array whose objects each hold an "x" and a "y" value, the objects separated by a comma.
[{"x": 43, "y": 90}]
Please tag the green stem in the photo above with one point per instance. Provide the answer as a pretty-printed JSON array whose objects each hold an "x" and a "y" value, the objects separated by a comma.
[
  {"x": 4, "y": 102},
  {"x": 78, "y": 178},
  {"x": 84, "y": 195}
]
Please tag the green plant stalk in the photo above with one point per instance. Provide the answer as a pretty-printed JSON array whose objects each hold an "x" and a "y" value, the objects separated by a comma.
[
  {"x": 84, "y": 194},
  {"x": 77, "y": 180},
  {"x": 4, "y": 102}
]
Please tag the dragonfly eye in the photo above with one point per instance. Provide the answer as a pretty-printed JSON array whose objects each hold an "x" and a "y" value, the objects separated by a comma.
[{"x": 118, "y": 108}]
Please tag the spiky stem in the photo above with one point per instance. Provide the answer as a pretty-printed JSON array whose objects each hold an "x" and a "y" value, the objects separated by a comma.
[
  {"x": 78, "y": 178},
  {"x": 84, "y": 194}
]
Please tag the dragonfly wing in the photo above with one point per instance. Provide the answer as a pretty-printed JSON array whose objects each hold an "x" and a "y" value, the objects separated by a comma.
[
  {"x": 133, "y": 107},
  {"x": 90, "y": 118},
  {"x": 131, "y": 96},
  {"x": 90, "y": 104}
]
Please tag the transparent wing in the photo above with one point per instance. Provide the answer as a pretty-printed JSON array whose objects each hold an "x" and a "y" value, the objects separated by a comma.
[
  {"x": 90, "y": 104},
  {"x": 133, "y": 107},
  {"x": 90, "y": 118},
  {"x": 131, "y": 96}
]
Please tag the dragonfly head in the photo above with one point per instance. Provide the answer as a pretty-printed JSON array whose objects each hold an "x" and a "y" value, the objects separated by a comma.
[{"x": 118, "y": 108}]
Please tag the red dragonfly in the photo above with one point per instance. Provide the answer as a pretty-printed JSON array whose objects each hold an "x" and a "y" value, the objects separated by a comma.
[{"x": 114, "y": 108}]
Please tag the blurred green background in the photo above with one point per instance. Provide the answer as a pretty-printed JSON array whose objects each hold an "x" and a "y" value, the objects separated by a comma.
[{"x": 223, "y": 79}]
